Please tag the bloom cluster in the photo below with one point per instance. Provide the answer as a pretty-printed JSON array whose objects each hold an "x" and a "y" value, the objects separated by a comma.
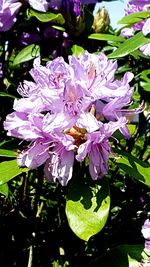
[
  {"x": 10, "y": 8},
  {"x": 134, "y": 6},
  {"x": 69, "y": 112}
]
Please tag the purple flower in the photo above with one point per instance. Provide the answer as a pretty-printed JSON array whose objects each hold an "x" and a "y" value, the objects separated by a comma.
[
  {"x": 127, "y": 32},
  {"x": 28, "y": 38},
  {"x": 59, "y": 165},
  {"x": 145, "y": 49},
  {"x": 146, "y": 233},
  {"x": 144, "y": 25},
  {"x": 61, "y": 113},
  {"x": 39, "y": 5},
  {"x": 86, "y": 2},
  {"x": 55, "y": 4},
  {"x": 73, "y": 6},
  {"x": 8, "y": 11},
  {"x": 1, "y": 71},
  {"x": 146, "y": 30},
  {"x": 98, "y": 148},
  {"x": 35, "y": 155},
  {"x": 139, "y": 2}
]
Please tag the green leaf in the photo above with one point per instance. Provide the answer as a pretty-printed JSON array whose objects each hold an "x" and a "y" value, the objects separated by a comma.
[
  {"x": 106, "y": 37},
  {"x": 133, "y": 166},
  {"x": 87, "y": 206},
  {"x": 130, "y": 45},
  {"x": 145, "y": 86},
  {"x": 132, "y": 128},
  {"x": 3, "y": 94},
  {"x": 121, "y": 256},
  {"x": 134, "y": 17},
  {"x": 7, "y": 153},
  {"x": 10, "y": 169},
  {"x": 144, "y": 75},
  {"x": 4, "y": 189},
  {"x": 59, "y": 28},
  {"x": 45, "y": 17},
  {"x": 77, "y": 50},
  {"x": 30, "y": 52}
]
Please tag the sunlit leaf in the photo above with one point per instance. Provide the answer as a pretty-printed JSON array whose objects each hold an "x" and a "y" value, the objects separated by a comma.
[
  {"x": 10, "y": 169},
  {"x": 87, "y": 207},
  {"x": 145, "y": 75},
  {"x": 7, "y": 153},
  {"x": 145, "y": 86},
  {"x": 4, "y": 189},
  {"x": 59, "y": 28},
  {"x": 132, "y": 128},
  {"x": 45, "y": 17},
  {"x": 145, "y": 80},
  {"x": 106, "y": 37},
  {"x": 134, "y": 17},
  {"x": 130, "y": 45},
  {"x": 30, "y": 52},
  {"x": 77, "y": 50}
]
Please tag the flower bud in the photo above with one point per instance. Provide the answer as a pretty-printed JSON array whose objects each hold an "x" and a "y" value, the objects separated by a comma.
[
  {"x": 74, "y": 17},
  {"x": 101, "y": 21}
]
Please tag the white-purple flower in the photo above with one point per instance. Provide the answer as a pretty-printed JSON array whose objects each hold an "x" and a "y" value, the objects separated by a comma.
[
  {"x": 59, "y": 166},
  {"x": 134, "y": 6},
  {"x": 146, "y": 233},
  {"x": 146, "y": 31},
  {"x": 73, "y": 6},
  {"x": 98, "y": 149},
  {"x": 8, "y": 12},
  {"x": 68, "y": 112}
]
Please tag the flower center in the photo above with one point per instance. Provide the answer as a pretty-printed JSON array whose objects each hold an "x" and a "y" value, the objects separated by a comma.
[{"x": 79, "y": 134}]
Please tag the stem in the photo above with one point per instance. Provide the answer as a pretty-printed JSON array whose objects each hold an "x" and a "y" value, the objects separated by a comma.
[{"x": 30, "y": 256}]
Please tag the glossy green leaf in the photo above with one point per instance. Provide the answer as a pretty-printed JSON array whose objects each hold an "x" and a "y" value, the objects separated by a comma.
[
  {"x": 133, "y": 166},
  {"x": 4, "y": 189},
  {"x": 145, "y": 86},
  {"x": 87, "y": 207},
  {"x": 130, "y": 45},
  {"x": 30, "y": 52},
  {"x": 134, "y": 17},
  {"x": 106, "y": 37},
  {"x": 145, "y": 80},
  {"x": 45, "y": 17},
  {"x": 10, "y": 169},
  {"x": 77, "y": 50},
  {"x": 7, "y": 153},
  {"x": 145, "y": 75},
  {"x": 121, "y": 256}
]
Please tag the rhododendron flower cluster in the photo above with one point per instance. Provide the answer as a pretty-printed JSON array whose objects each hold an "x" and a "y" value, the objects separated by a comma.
[
  {"x": 68, "y": 112},
  {"x": 10, "y": 8},
  {"x": 134, "y": 6}
]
